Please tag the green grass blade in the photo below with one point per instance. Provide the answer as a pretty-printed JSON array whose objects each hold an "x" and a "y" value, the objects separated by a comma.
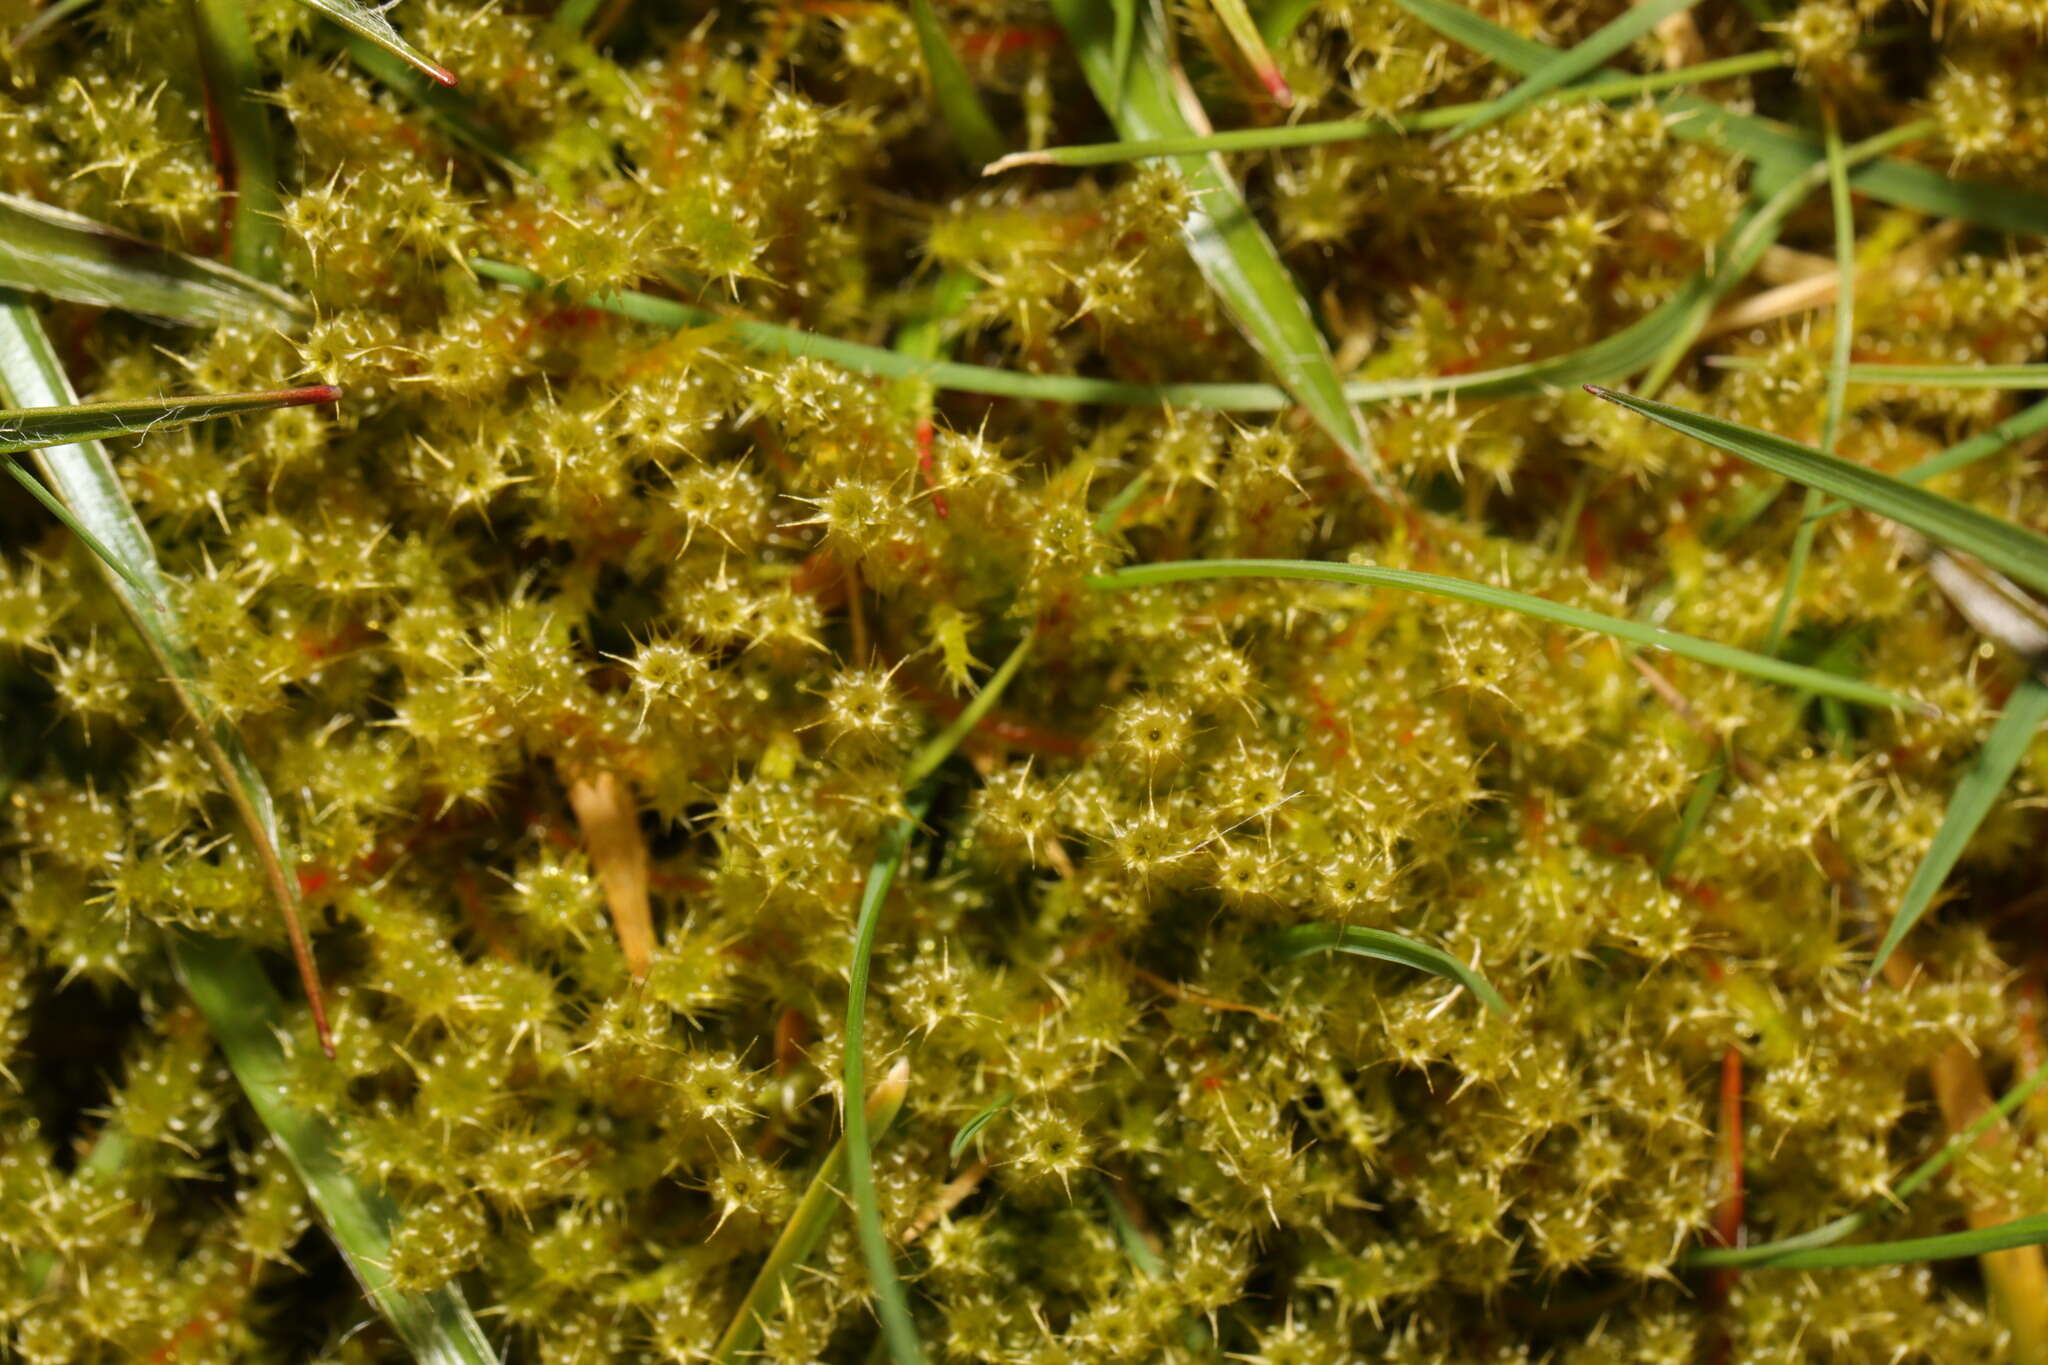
[
  {"x": 2014, "y": 550},
  {"x": 2027, "y": 422},
  {"x": 1909, "y": 376},
  {"x": 2007, "y": 744},
  {"x": 969, "y": 1129},
  {"x": 1621, "y": 87},
  {"x": 370, "y": 24},
  {"x": 1228, "y": 245},
  {"x": 83, "y": 476},
  {"x": 45, "y": 250},
  {"x": 1838, "y": 378},
  {"x": 77, "y": 528},
  {"x": 1125, "y": 33},
  {"x": 1569, "y": 66},
  {"x": 227, "y": 983},
  {"x": 899, "y": 1329},
  {"x": 1279, "y": 18},
  {"x": 240, "y": 122},
  {"x": 33, "y": 428},
  {"x": 2020, "y": 1232},
  {"x": 443, "y": 108},
  {"x": 805, "y": 1229},
  {"x": 927, "y": 760},
  {"x": 1697, "y": 804},
  {"x": 1830, "y": 1233},
  {"x": 1237, "y": 21},
  {"x": 959, "y": 103},
  {"x": 1302, "y": 940},
  {"x": 573, "y": 16},
  {"x": 1486, "y": 595}
]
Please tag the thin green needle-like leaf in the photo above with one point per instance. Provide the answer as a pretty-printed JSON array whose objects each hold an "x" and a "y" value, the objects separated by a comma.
[
  {"x": 239, "y": 119},
  {"x": 227, "y": 983},
  {"x": 1279, "y": 18},
  {"x": 2013, "y": 550},
  {"x": 371, "y": 24},
  {"x": 1120, "y": 48},
  {"x": 443, "y": 108},
  {"x": 2020, "y": 1232},
  {"x": 85, "y": 478},
  {"x": 1829, "y": 1233},
  {"x": 959, "y": 103},
  {"x": 1838, "y": 377},
  {"x": 891, "y": 1305},
  {"x": 976, "y": 1124},
  {"x": 1227, "y": 244},
  {"x": 1302, "y": 940},
  {"x": 2027, "y": 422},
  {"x": 1624, "y": 87},
  {"x": 806, "y": 1228},
  {"x": 77, "y": 528},
  {"x": 927, "y": 760},
  {"x": 33, "y": 428},
  {"x": 1486, "y": 595},
  {"x": 1697, "y": 804},
  {"x": 1251, "y": 44},
  {"x": 1579, "y": 61},
  {"x": 1971, "y": 801},
  {"x": 45, "y": 250},
  {"x": 1911, "y": 376}
]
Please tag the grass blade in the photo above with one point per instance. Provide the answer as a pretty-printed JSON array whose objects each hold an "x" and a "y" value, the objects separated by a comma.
[
  {"x": 106, "y": 556},
  {"x": 247, "y": 1017},
  {"x": 976, "y": 1124},
  {"x": 442, "y": 108},
  {"x": 1120, "y": 48},
  {"x": 1830, "y": 1233},
  {"x": 1228, "y": 245},
  {"x": 1620, "y": 87},
  {"x": 1251, "y": 44},
  {"x": 33, "y": 428},
  {"x": 926, "y": 761},
  {"x": 239, "y": 122},
  {"x": 1910, "y": 376},
  {"x": 2027, "y": 422},
  {"x": 1486, "y": 595},
  {"x": 1302, "y": 940},
  {"x": 805, "y": 1229},
  {"x": 45, "y": 250},
  {"x": 371, "y": 25},
  {"x": 2020, "y": 1232},
  {"x": 1581, "y": 60},
  {"x": 84, "y": 477},
  {"x": 891, "y": 1305},
  {"x": 2013, "y": 550},
  {"x": 959, "y": 104},
  {"x": 2003, "y": 749}
]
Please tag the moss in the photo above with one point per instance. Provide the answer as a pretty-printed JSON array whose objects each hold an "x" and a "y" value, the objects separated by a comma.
[{"x": 540, "y": 540}]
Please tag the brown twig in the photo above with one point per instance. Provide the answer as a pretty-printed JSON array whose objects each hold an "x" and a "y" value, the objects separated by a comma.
[{"x": 610, "y": 821}]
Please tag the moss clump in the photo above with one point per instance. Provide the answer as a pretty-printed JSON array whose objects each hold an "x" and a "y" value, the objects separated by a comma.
[{"x": 539, "y": 542}]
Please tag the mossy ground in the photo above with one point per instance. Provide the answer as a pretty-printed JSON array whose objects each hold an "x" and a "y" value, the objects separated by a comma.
[{"x": 539, "y": 545}]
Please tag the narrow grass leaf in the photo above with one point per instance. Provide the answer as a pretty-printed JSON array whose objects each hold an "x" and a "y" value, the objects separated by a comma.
[
  {"x": 227, "y": 983},
  {"x": 1304, "y": 940},
  {"x": 48, "y": 251},
  {"x": 1565, "y": 67},
  {"x": 2011, "y": 549},
  {"x": 926, "y": 761},
  {"x": 806, "y": 1228},
  {"x": 239, "y": 119},
  {"x": 2027, "y": 422},
  {"x": 1486, "y": 595},
  {"x": 1283, "y": 136},
  {"x": 1126, "y": 31},
  {"x": 973, "y": 1126},
  {"x": 974, "y": 132},
  {"x": 2020, "y": 1232},
  {"x": 1832, "y": 1232},
  {"x": 83, "y": 476},
  {"x": 1251, "y": 44},
  {"x": 369, "y": 23},
  {"x": 1279, "y": 18},
  {"x": 2033, "y": 376},
  {"x": 1971, "y": 801},
  {"x": 34, "y": 428},
  {"x": 57, "y": 509},
  {"x": 443, "y": 108},
  {"x": 1227, "y": 244}
]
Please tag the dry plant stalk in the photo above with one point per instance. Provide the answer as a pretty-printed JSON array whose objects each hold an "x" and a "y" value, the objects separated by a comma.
[{"x": 610, "y": 821}]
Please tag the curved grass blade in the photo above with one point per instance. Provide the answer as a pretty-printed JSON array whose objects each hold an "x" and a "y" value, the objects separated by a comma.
[
  {"x": 926, "y": 761},
  {"x": 969, "y": 1129},
  {"x": 1830, "y": 1233},
  {"x": 805, "y": 1229},
  {"x": 239, "y": 122},
  {"x": 227, "y": 982},
  {"x": 57, "y": 509},
  {"x": 34, "y": 428},
  {"x": 2029, "y": 376},
  {"x": 1486, "y": 595},
  {"x": 371, "y": 24},
  {"x": 84, "y": 477},
  {"x": 1302, "y": 940},
  {"x": 1251, "y": 45},
  {"x": 1622, "y": 87},
  {"x": 1565, "y": 67},
  {"x": 2011, "y": 549},
  {"x": 2020, "y": 1232},
  {"x": 443, "y": 108},
  {"x": 45, "y": 250},
  {"x": 2027, "y": 422},
  {"x": 2007, "y": 744},
  {"x": 1227, "y": 244},
  {"x": 1120, "y": 47},
  {"x": 974, "y": 132}
]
